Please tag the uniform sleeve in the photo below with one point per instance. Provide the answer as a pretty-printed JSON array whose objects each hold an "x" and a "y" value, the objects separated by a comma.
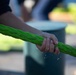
[
  {"x": 20, "y": 1},
  {"x": 4, "y": 6}
]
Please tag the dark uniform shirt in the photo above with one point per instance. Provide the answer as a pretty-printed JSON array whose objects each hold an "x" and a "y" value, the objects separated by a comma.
[
  {"x": 4, "y": 6},
  {"x": 20, "y": 1}
]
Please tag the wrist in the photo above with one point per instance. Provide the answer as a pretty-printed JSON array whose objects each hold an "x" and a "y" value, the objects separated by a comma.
[{"x": 42, "y": 34}]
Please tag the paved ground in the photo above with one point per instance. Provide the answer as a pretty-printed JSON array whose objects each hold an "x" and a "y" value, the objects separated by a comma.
[
  {"x": 15, "y": 61},
  {"x": 12, "y": 62},
  {"x": 70, "y": 66}
]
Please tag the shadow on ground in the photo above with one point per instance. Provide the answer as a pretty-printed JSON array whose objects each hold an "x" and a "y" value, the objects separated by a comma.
[{"x": 10, "y": 73}]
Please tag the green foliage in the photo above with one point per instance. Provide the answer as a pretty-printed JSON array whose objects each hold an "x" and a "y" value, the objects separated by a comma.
[
  {"x": 60, "y": 9},
  {"x": 71, "y": 29},
  {"x": 7, "y": 42},
  {"x": 71, "y": 9}
]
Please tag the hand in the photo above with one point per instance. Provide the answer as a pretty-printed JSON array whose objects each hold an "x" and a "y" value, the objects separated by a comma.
[{"x": 49, "y": 43}]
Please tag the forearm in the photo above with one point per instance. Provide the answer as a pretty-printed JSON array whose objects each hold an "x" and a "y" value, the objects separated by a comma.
[{"x": 10, "y": 20}]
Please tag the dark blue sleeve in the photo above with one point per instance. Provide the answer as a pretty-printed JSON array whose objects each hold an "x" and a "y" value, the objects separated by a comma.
[
  {"x": 20, "y": 1},
  {"x": 4, "y": 6}
]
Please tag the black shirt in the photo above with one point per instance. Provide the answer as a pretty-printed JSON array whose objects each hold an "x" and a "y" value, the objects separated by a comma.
[
  {"x": 20, "y": 1},
  {"x": 4, "y": 6}
]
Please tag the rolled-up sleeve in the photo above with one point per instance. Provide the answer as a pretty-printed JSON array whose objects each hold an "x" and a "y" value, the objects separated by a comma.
[{"x": 4, "y": 6}]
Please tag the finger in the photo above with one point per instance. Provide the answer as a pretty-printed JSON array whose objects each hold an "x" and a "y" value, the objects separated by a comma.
[
  {"x": 43, "y": 45},
  {"x": 51, "y": 46},
  {"x": 55, "y": 40},
  {"x": 57, "y": 51},
  {"x": 39, "y": 47},
  {"x": 47, "y": 44}
]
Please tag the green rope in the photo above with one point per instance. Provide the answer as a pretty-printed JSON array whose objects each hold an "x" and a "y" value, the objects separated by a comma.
[{"x": 33, "y": 38}]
